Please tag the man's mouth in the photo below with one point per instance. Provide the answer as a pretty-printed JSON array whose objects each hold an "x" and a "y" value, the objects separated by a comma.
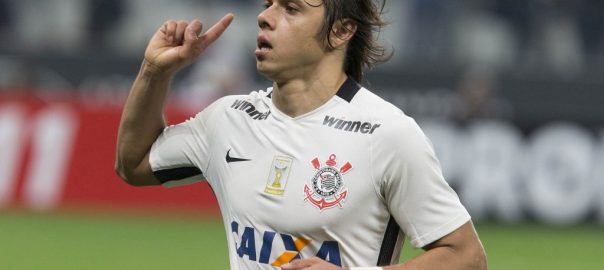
[{"x": 263, "y": 44}]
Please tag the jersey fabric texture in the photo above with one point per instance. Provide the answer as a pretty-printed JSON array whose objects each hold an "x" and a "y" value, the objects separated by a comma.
[{"x": 344, "y": 182}]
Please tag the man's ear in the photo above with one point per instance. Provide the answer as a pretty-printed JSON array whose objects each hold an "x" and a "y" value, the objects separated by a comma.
[{"x": 342, "y": 32}]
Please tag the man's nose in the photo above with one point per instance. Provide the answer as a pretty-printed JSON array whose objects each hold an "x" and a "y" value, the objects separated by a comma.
[{"x": 265, "y": 19}]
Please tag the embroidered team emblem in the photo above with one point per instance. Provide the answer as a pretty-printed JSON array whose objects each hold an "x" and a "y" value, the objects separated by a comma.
[{"x": 327, "y": 189}]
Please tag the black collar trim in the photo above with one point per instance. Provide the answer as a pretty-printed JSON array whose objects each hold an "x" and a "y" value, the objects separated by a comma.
[
  {"x": 349, "y": 89},
  {"x": 346, "y": 92}
]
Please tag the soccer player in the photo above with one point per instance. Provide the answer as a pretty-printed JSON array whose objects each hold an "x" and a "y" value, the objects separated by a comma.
[{"x": 315, "y": 172}]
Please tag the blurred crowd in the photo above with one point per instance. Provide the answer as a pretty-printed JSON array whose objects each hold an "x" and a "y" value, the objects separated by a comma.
[{"x": 564, "y": 37}]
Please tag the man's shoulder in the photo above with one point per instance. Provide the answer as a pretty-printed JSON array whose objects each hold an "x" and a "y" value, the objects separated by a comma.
[
  {"x": 255, "y": 105},
  {"x": 394, "y": 122},
  {"x": 232, "y": 101},
  {"x": 378, "y": 108}
]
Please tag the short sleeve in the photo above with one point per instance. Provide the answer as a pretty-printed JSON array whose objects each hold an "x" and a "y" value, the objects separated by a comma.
[
  {"x": 410, "y": 179},
  {"x": 181, "y": 152}
]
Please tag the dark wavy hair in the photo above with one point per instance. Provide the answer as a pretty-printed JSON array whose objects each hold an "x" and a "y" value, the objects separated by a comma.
[{"x": 364, "y": 51}]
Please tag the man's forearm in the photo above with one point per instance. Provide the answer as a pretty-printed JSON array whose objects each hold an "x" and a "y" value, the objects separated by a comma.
[
  {"x": 460, "y": 249},
  {"x": 142, "y": 119},
  {"x": 443, "y": 258}
]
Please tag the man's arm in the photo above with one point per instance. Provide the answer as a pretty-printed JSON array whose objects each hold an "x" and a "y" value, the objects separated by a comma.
[
  {"x": 142, "y": 122},
  {"x": 459, "y": 250},
  {"x": 174, "y": 46}
]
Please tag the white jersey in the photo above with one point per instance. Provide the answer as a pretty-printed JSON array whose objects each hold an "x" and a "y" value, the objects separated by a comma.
[{"x": 343, "y": 182}]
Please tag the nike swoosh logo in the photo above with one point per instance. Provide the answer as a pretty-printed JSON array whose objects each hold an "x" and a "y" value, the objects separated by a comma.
[{"x": 230, "y": 159}]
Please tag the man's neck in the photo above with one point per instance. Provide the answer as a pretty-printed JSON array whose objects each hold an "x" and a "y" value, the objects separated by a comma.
[{"x": 298, "y": 96}]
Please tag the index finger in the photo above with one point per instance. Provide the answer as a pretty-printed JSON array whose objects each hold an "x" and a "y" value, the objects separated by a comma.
[{"x": 217, "y": 29}]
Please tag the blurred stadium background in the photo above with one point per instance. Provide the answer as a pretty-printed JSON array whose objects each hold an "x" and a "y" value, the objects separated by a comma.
[{"x": 510, "y": 92}]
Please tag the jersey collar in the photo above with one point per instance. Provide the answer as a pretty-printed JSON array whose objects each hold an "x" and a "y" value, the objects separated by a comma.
[
  {"x": 346, "y": 92},
  {"x": 349, "y": 89}
]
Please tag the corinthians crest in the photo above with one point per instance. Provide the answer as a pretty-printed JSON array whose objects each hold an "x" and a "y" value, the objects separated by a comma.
[{"x": 327, "y": 189}]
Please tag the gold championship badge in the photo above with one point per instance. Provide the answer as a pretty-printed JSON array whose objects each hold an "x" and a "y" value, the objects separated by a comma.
[{"x": 277, "y": 178}]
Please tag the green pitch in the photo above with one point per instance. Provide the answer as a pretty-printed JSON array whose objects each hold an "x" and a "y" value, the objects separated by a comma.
[{"x": 67, "y": 241}]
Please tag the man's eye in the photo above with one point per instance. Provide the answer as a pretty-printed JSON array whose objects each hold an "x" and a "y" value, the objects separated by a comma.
[
  {"x": 290, "y": 9},
  {"x": 267, "y": 5}
]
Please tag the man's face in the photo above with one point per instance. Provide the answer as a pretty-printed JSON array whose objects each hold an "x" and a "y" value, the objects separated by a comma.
[{"x": 287, "y": 42}]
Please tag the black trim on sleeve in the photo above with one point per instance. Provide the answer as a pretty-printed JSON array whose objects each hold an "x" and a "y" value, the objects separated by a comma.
[
  {"x": 389, "y": 243},
  {"x": 349, "y": 89},
  {"x": 176, "y": 174}
]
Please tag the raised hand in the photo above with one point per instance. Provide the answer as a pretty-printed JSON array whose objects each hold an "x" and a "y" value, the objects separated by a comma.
[{"x": 178, "y": 44}]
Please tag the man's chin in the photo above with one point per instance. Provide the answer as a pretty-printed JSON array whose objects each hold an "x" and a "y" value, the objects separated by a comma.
[{"x": 263, "y": 68}]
